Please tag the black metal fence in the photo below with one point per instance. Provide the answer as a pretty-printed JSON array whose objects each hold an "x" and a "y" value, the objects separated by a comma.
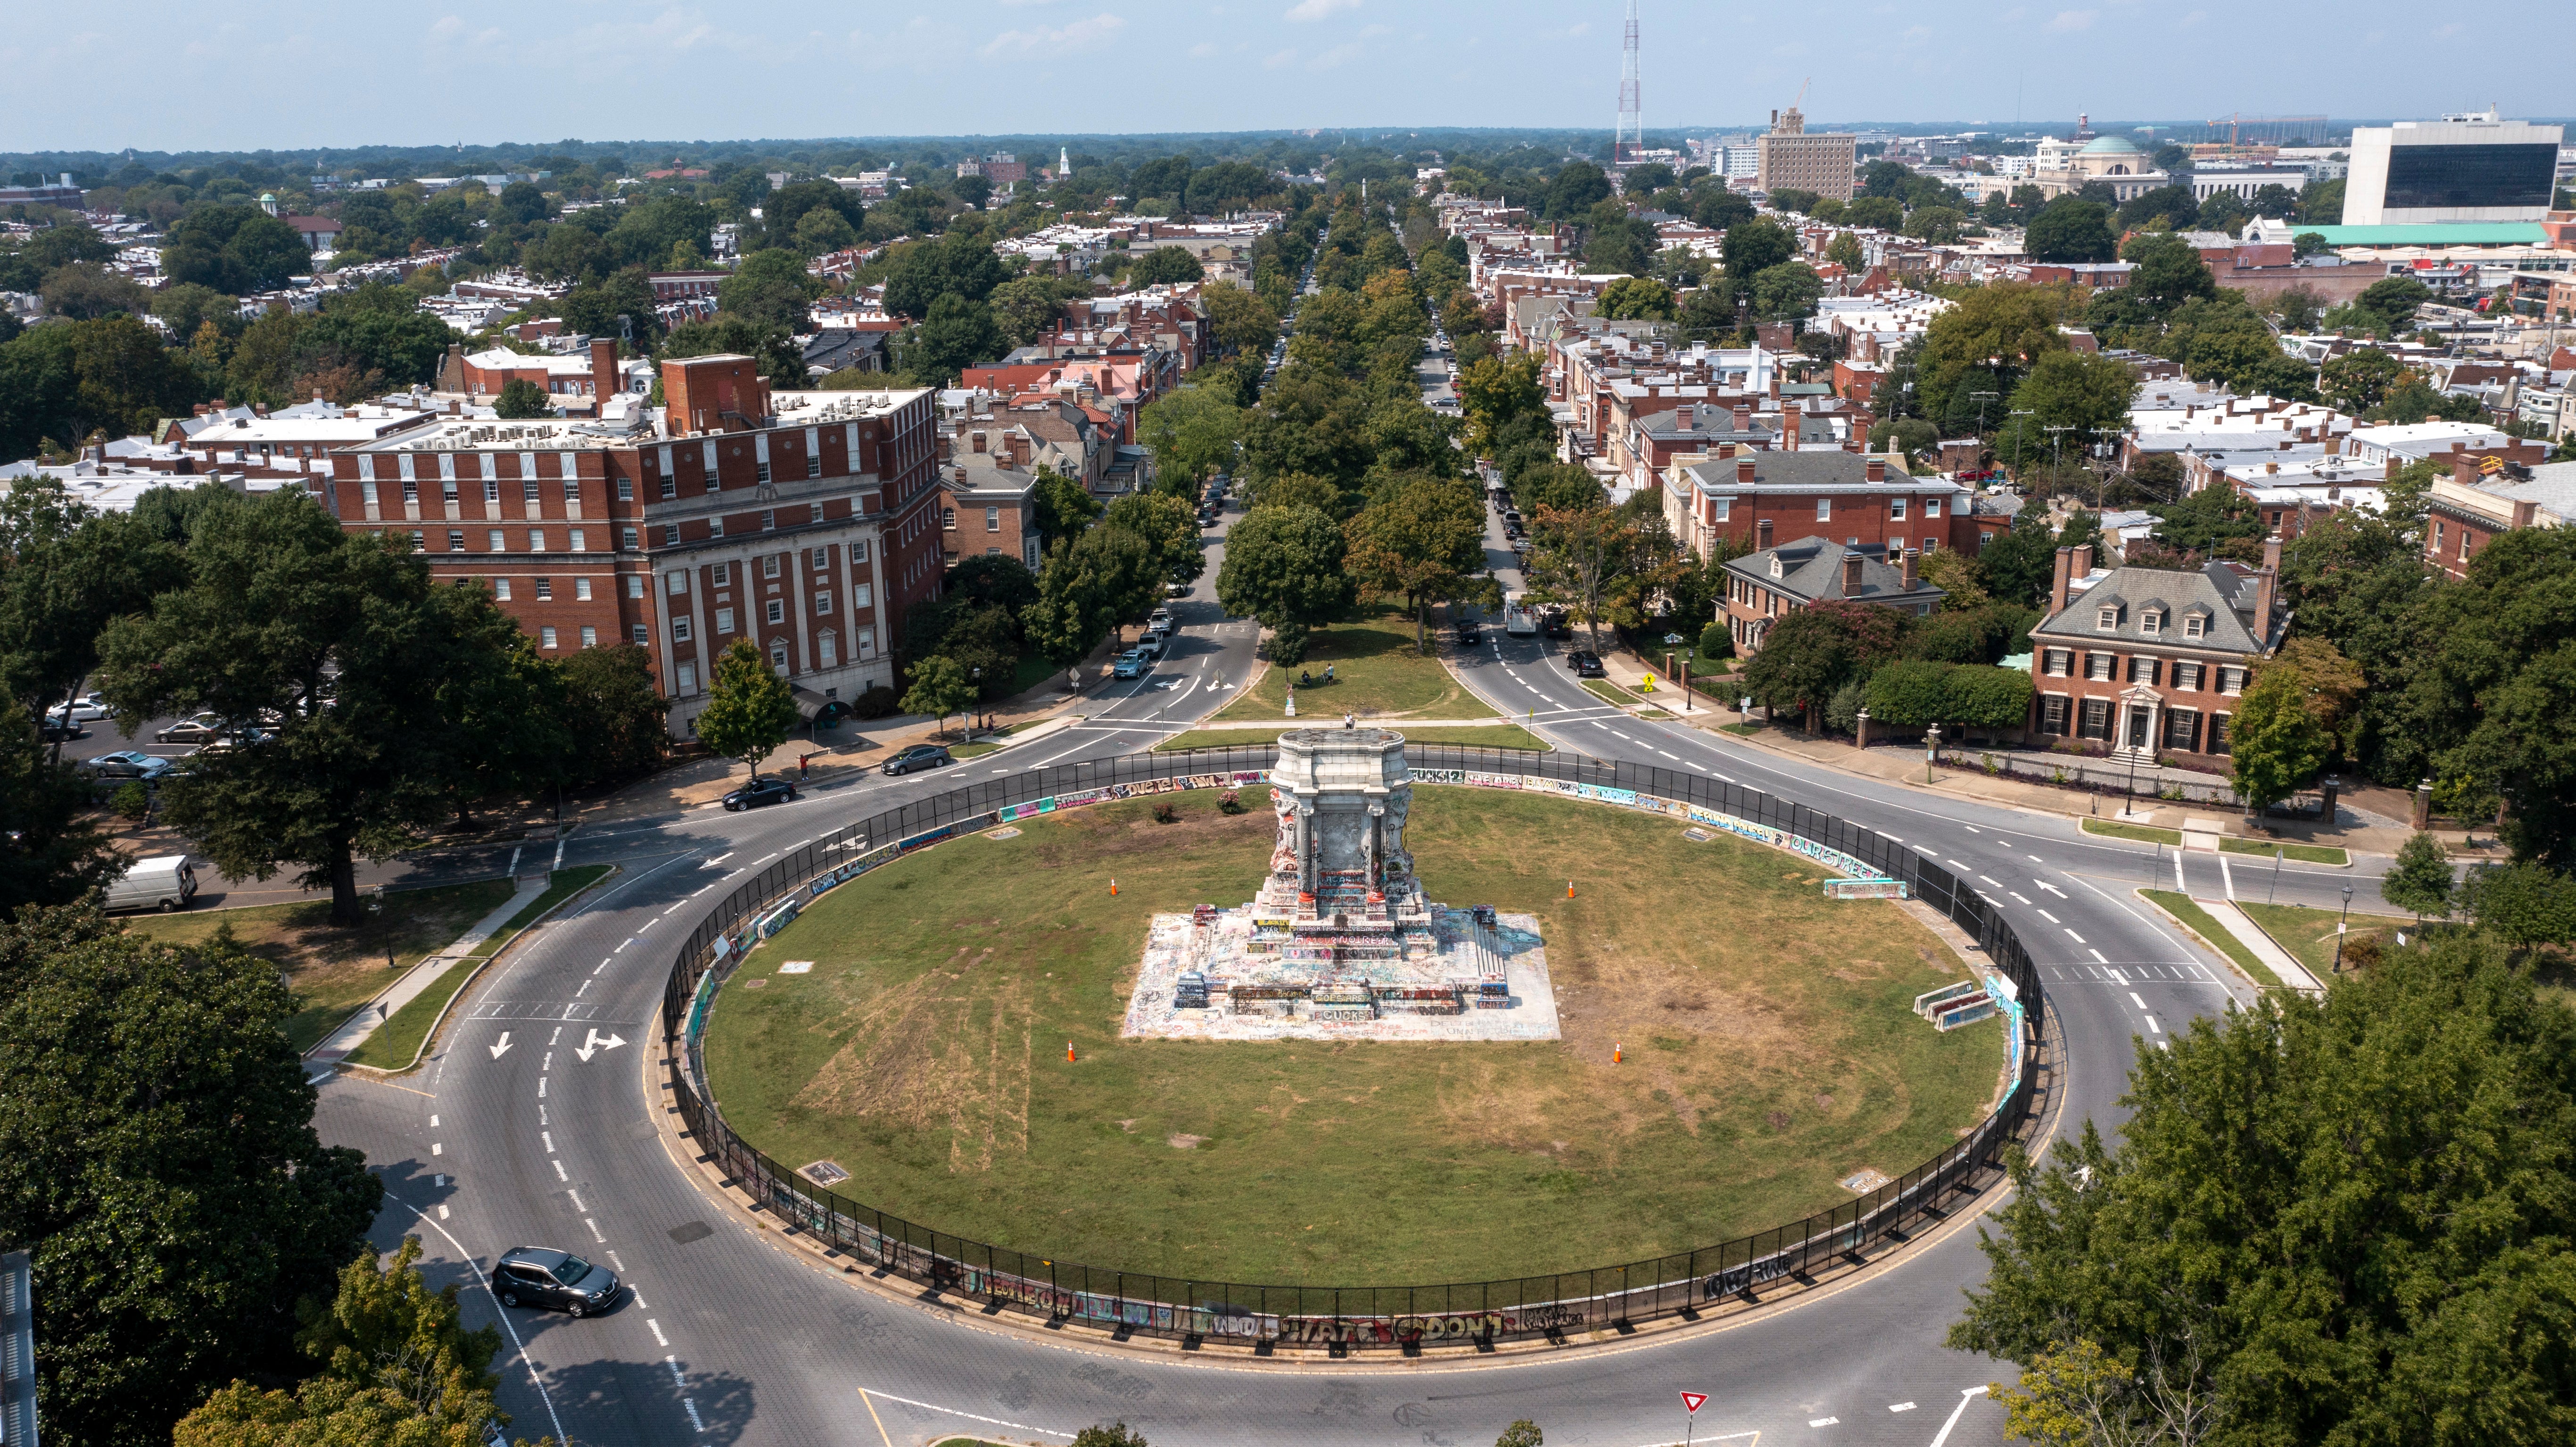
[{"x": 1346, "y": 1317}]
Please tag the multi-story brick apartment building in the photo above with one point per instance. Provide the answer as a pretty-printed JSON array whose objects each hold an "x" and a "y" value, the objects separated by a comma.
[
  {"x": 2472, "y": 507},
  {"x": 1851, "y": 498},
  {"x": 2149, "y": 660},
  {"x": 803, "y": 521}
]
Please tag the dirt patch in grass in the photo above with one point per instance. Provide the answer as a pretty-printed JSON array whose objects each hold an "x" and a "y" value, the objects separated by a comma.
[
  {"x": 1760, "y": 1062},
  {"x": 333, "y": 970}
]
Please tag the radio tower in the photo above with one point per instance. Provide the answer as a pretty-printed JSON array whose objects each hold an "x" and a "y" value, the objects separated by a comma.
[{"x": 1631, "y": 137}]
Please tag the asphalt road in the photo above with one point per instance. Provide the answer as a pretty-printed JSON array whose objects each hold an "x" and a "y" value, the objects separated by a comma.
[{"x": 531, "y": 1126}]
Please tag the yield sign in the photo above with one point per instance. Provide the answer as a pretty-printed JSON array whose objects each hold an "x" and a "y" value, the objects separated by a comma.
[{"x": 1691, "y": 1401}]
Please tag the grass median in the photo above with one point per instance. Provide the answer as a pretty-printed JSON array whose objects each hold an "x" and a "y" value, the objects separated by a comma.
[
  {"x": 2213, "y": 934},
  {"x": 397, "y": 1042},
  {"x": 1491, "y": 736},
  {"x": 2228, "y": 843},
  {"x": 2309, "y": 934},
  {"x": 1376, "y": 674},
  {"x": 332, "y": 970}
]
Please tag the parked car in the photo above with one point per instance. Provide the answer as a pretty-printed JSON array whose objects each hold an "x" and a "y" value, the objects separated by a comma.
[
  {"x": 54, "y": 728},
  {"x": 1161, "y": 617},
  {"x": 87, "y": 708},
  {"x": 125, "y": 764},
  {"x": 541, "y": 1276},
  {"x": 1553, "y": 623},
  {"x": 1130, "y": 664},
  {"x": 919, "y": 756},
  {"x": 164, "y": 882},
  {"x": 195, "y": 730},
  {"x": 772, "y": 790},
  {"x": 1585, "y": 663},
  {"x": 1469, "y": 635}
]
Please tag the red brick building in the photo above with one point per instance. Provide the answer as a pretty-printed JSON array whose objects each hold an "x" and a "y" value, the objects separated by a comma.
[
  {"x": 803, "y": 521},
  {"x": 1770, "y": 583},
  {"x": 2149, "y": 660},
  {"x": 1851, "y": 498}
]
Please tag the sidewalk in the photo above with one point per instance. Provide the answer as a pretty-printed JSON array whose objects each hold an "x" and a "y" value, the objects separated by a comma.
[
  {"x": 358, "y": 1027},
  {"x": 2292, "y": 973},
  {"x": 1959, "y": 776}
]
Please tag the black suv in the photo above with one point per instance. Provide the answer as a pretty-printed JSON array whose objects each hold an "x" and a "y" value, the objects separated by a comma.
[
  {"x": 772, "y": 790},
  {"x": 1585, "y": 663},
  {"x": 919, "y": 756},
  {"x": 1468, "y": 633},
  {"x": 537, "y": 1276}
]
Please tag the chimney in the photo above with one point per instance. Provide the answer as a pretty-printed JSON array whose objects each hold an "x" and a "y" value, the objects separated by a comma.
[
  {"x": 2524, "y": 510},
  {"x": 1790, "y": 418},
  {"x": 2266, "y": 583},
  {"x": 2334, "y": 445},
  {"x": 1851, "y": 574},
  {"x": 1875, "y": 469},
  {"x": 1744, "y": 469},
  {"x": 1762, "y": 535},
  {"x": 2057, "y": 583},
  {"x": 1743, "y": 418},
  {"x": 947, "y": 446},
  {"x": 603, "y": 370},
  {"x": 2083, "y": 562},
  {"x": 979, "y": 440},
  {"x": 1910, "y": 556}
]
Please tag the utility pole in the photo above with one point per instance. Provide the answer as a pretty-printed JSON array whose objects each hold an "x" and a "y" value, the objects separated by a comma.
[
  {"x": 2057, "y": 439},
  {"x": 2107, "y": 452}
]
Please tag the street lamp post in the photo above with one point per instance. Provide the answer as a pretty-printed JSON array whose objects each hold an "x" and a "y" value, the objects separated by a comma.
[
  {"x": 1931, "y": 750},
  {"x": 2340, "y": 922},
  {"x": 975, "y": 674}
]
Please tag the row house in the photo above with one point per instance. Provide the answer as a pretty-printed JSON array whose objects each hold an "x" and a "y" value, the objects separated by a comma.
[
  {"x": 1751, "y": 499},
  {"x": 1768, "y": 584},
  {"x": 2149, "y": 660},
  {"x": 805, "y": 522},
  {"x": 2472, "y": 507},
  {"x": 988, "y": 477},
  {"x": 1648, "y": 446},
  {"x": 576, "y": 381}
]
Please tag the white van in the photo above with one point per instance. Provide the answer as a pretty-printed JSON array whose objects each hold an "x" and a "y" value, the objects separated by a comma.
[{"x": 164, "y": 882}]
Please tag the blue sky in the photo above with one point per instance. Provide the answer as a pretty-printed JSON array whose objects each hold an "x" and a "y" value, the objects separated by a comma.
[{"x": 159, "y": 75}]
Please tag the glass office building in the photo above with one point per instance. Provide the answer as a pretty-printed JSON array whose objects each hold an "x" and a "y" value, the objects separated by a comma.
[{"x": 2463, "y": 168}]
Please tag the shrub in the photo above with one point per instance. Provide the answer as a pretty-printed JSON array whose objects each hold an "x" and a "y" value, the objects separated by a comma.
[
  {"x": 131, "y": 800},
  {"x": 1230, "y": 802},
  {"x": 1714, "y": 642},
  {"x": 1288, "y": 644},
  {"x": 879, "y": 702},
  {"x": 1166, "y": 812}
]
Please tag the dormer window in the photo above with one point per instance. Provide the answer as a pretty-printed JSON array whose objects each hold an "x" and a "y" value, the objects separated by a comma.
[
  {"x": 2152, "y": 621},
  {"x": 1775, "y": 565},
  {"x": 2107, "y": 618},
  {"x": 2194, "y": 626}
]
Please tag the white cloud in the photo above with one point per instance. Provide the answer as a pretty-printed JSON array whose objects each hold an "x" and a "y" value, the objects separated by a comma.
[
  {"x": 1080, "y": 35},
  {"x": 2194, "y": 19},
  {"x": 1278, "y": 58},
  {"x": 2068, "y": 22},
  {"x": 1202, "y": 50},
  {"x": 1581, "y": 28},
  {"x": 1339, "y": 55},
  {"x": 1319, "y": 9},
  {"x": 1371, "y": 32}
]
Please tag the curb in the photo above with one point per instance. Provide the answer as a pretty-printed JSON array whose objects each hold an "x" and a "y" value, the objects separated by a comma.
[{"x": 429, "y": 1037}]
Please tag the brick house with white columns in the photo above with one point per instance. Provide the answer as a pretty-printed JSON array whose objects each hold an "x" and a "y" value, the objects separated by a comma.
[{"x": 2149, "y": 660}]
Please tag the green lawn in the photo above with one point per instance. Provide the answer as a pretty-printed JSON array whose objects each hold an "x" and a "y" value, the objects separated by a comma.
[
  {"x": 1608, "y": 692},
  {"x": 397, "y": 1042},
  {"x": 331, "y": 970},
  {"x": 924, "y": 1053},
  {"x": 2212, "y": 933},
  {"x": 2229, "y": 843},
  {"x": 2309, "y": 934},
  {"x": 1376, "y": 674},
  {"x": 1492, "y": 736}
]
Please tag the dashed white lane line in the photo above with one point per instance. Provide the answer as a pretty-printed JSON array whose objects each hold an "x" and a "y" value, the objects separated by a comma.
[
  {"x": 594, "y": 1230},
  {"x": 2097, "y": 954},
  {"x": 2035, "y": 859},
  {"x": 549, "y": 1138},
  {"x": 2134, "y": 1000},
  {"x": 1676, "y": 758},
  {"x": 1990, "y": 880},
  {"x": 1823, "y": 1421},
  {"x": 657, "y": 1331},
  {"x": 559, "y": 1171},
  {"x": 576, "y": 1201},
  {"x": 2044, "y": 914},
  {"x": 437, "y": 1149},
  {"x": 1926, "y": 853},
  {"x": 1971, "y": 828},
  {"x": 433, "y": 1122},
  {"x": 2072, "y": 935},
  {"x": 2017, "y": 898},
  {"x": 541, "y": 1087},
  {"x": 442, "y": 1213},
  {"x": 2153, "y": 1028},
  {"x": 1900, "y": 1406}
]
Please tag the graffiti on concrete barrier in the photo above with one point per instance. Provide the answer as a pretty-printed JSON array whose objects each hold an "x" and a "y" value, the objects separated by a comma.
[{"x": 1747, "y": 1276}]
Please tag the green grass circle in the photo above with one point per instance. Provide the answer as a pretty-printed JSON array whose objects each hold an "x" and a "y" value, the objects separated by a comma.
[{"x": 1770, "y": 1051}]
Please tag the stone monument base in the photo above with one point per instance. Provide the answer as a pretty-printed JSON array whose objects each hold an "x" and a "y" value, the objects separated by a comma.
[{"x": 1233, "y": 975}]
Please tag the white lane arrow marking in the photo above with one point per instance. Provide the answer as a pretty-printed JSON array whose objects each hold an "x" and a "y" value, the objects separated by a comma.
[
  {"x": 594, "y": 1044},
  {"x": 503, "y": 1048}
]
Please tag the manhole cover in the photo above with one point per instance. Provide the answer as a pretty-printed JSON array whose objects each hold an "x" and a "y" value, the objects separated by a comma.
[
  {"x": 825, "y": 1173},
  {"x": 693, "y": 1231}
]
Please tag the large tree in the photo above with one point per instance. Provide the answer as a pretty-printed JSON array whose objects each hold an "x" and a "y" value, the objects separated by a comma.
[
  {"x": 749, "y": 707},
  {"x": 163, "y": 1170},
  {"x": 1603, "y": 564},
  {"x": 771, "y": 288},
  {"x": 1099, "y": 579},
  {"x": 1168, "y": 526},
  {"x": 1423, "y": 542},
  {"x": 2275, "y": 743},
  {"x": 2328, "y": 1220},
  {"x": 334, "y": 641},
  {"x": 1192, "y": 433},
  {"x": 2494, "y": 683},
  {"x": 1283, "y": 566},
  {"x": 2070, "y": 228}
]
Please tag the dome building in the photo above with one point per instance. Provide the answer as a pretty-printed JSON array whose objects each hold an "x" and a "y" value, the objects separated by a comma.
[{"x": 2115, "y": 161}]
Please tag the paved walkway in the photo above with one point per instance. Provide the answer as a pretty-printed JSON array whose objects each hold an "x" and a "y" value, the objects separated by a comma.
[
  {"x": 2238, "y": 923},
  {"x": 358, "y": 1027},
  {"x": 1959, "y": 775}
]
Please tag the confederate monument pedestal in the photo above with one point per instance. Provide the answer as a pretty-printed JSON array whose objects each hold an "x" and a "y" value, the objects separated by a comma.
[{"x": 1339, "y": 940}]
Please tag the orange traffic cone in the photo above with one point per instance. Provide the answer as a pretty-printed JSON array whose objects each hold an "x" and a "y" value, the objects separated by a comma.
[
  {"x": 1068, "y": 1050},
  {"x": 1113, "y": 889},
  {"x": 1569, "y": 889},
  {"x": 1614, "y": 1054}
]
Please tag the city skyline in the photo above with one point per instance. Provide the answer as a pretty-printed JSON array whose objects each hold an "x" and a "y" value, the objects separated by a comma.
[{"x": 303, "y": 77}]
